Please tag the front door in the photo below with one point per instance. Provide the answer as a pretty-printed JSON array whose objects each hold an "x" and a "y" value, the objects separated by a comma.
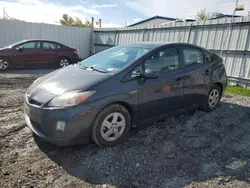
[
  {"x": 27, "y": 54},
  {"x": 164, "y": 94}
]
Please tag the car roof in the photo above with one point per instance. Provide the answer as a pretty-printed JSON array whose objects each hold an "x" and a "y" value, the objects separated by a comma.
[
  {"x": 154, "y": 45},
  {"x": 34, "y": 40}
]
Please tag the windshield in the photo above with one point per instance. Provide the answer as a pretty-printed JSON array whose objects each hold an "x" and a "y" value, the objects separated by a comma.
[
  {"x": 10, "y": 45},
  {"x": 114, "y": 59}
]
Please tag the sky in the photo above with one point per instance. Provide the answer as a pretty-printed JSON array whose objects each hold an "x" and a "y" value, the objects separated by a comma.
[{"x": 114, "y": 13}]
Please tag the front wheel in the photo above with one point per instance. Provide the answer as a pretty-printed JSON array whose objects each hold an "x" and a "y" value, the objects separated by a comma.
[
  {"x": 111, "y": 125},
  {"x": 213, "y": 98},
  {"x": 4, "y": 64}
]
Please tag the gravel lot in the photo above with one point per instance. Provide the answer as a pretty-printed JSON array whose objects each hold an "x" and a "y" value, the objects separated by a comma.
[{"x": 195, "y": 149}]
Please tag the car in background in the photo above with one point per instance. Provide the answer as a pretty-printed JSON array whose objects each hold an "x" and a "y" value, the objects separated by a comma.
[
  {"x": 103, "y": 96},
  {"x": 37, "y": 53}
]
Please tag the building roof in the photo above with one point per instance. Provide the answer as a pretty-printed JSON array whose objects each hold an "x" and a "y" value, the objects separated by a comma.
[
  {"x": 223, "y": 16},
  {"x": 154, "y": 17}
]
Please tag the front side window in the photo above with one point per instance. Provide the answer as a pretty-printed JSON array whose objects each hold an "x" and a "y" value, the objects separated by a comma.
[
  {"x": 29, "y": 45},
  {"x": 163, "y": 60},
  {"x": 114, "y": 59},
  {"x": 192, "y": 56}
]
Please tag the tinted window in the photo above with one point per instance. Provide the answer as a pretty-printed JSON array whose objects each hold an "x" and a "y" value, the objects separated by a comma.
[
  {"x": 29, "y": 45},
  {"x": 163, "y": 60},
  {"x": 59, "y": 45},
  {"x": 192, "y": 56},
  {"x": 208, "y": 56},
  {"x": 49, "y": 45}
]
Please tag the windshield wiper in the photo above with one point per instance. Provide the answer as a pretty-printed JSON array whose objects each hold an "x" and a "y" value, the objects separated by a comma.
[
  {"x": 82, "y": 66},
  {"x": 97, "y": 69},
  {"x": 93, "y": 68}
]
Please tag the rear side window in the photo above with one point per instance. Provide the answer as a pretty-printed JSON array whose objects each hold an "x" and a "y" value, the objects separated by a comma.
[
  {"x": 192, "y": 56},
  {"x": 49, "y": 45},
  {"x": 208, "y": 56},
  {"x": 59, "y": 46},
  {"x": 163, "y": 60}
]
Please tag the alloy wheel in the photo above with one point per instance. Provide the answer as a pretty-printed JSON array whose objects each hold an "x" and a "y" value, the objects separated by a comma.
[
  {"x": 64, "y": 62},
  {"x": 113, "y": 126},
  {"x": 3, "y": 64},
  {"x": 213, "y": 98}
]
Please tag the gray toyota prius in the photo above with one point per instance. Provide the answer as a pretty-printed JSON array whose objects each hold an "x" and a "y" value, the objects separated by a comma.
[{"x": 105, "y": 95}]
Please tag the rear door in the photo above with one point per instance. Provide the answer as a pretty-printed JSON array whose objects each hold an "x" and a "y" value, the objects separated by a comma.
[
  {"x": 163, "y": 94},
  {"x": 49, "y": 52},
  {"x": 29, "y": 55},
  {"x": 197, "y": 76}
]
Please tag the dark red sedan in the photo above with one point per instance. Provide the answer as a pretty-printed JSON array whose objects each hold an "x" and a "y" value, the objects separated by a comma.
[{"x": 30, "y": 53}]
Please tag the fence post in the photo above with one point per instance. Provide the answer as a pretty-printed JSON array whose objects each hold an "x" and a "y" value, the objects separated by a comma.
[
  {"x": 244, "y": 60},
  {"x": 92, "y": 38},
  {"x": 189, "y": 32},
  {"x": 143, "y": 34},
  {"x": 116, "y": 31}
]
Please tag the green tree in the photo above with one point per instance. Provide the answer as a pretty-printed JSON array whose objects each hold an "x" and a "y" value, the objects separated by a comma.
[
  {"x": 75, "y": 22},
  {"x": 204, "y": 15}
]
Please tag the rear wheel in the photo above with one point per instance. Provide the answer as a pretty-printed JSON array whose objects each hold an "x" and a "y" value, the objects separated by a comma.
[
  {"x": 4, "y": 64},
  {"x": 64, "y": 62},
  {"x": 213, "y": 98},
  {"x": 111, "y": 125}
]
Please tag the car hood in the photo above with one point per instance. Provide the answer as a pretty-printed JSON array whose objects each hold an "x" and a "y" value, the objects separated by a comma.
[{"x": 63, "y": 80}]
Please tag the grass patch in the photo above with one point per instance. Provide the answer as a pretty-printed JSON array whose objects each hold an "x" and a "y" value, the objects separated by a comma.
[{"x": 237, "y": 90}]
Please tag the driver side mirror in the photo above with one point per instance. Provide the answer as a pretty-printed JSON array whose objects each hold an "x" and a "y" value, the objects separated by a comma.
[
  {"x": 150, "y": 74},
  {"x": 20, "y": 48}
]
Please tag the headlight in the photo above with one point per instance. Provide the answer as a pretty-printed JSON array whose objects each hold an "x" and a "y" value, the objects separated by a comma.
[{"x": 70, "y": 98}]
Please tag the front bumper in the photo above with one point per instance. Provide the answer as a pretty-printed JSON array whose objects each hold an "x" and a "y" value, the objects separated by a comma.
[{"x": 43, "y": 122}]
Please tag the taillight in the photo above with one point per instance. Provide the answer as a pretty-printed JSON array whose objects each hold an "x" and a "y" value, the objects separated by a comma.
[{"x": 75, "y": 51}]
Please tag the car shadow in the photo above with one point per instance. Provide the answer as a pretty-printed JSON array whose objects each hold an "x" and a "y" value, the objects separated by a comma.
[{"x": 192, "y": 147}]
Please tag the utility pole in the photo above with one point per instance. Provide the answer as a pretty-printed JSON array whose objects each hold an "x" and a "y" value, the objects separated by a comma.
[
  {"x": 223, "y": 45},
  {"x": 4, "y": 13},
  {"x": 100, "y": 23},
  {"x": 92, "y": 37}
]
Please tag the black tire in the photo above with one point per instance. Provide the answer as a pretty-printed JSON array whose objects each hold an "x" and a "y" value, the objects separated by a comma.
[
  {"x": 65, "y": 60},
  {"x": 4, "y": 64},
  {"x": 208, "y": 107},
  {"x": 97, "y": 125}
]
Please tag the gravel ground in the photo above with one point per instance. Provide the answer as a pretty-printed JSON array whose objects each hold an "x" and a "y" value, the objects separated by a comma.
[{"x": 195, "y": 149}]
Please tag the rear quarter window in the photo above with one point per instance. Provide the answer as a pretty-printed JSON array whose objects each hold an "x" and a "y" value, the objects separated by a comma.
[
  {"x": 208, "y": 56},
  {"x": 192, "y": 56}
]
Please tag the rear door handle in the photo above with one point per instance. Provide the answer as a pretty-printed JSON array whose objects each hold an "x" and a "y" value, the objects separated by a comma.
[
  {"x": 178, "y": 79},
  {"x": 178, "y": 82},
  {"x": 182, "y": 78},
  {"x": 208, "y": 71}
]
